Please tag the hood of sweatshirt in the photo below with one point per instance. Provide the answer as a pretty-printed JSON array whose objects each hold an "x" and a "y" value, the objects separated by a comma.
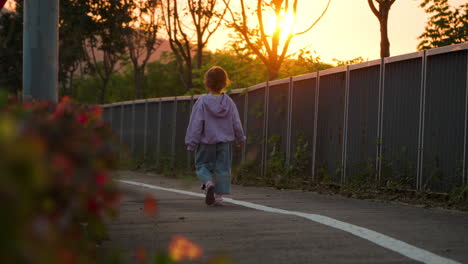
[{"x": 219, "y": 106}]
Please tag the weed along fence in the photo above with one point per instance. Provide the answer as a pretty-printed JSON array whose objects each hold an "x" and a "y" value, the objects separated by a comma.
[{"x": 397, "y": 122}]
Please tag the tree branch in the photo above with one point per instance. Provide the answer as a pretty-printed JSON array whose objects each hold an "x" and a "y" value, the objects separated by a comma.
[{"x": 316, "y": 21}]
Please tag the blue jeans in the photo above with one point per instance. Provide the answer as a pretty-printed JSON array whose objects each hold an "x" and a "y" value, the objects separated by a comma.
[{"x": 214, "y": 159}]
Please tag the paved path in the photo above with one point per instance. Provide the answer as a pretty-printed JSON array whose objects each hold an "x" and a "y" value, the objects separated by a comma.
[{"x": 265, "y": 225}]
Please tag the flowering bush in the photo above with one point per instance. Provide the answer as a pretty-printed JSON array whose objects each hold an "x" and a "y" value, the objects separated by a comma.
[{"x": 55, "y": 189}]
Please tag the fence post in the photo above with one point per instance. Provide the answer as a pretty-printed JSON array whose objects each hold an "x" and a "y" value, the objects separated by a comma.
[
  {"x": 288, "y": 118},
  {"x": 111, "y": 109},
  {"x": 345, "y": 126},
  {"x": 246, "y": 116},
  {"x": 121, "y": 127},
  {"x": 465, "y": 176},
  {"x": 422, "y": 111},
  {"x": 189, "y": 153},
  {"x": 265, "y": 130},
  {"x": 132, "y": 146},
  {"x": 380, "y": 120},
  {"x": 174, "y": 129},
  {"x": 158, "y": 139},
  {"x": 145, "y": 131},
  {"x": 314, "y": 143}
]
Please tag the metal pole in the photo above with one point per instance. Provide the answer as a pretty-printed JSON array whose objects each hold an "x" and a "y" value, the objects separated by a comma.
[
  {"x": 265, "y": 129},
  {"x": 145, "y": 131},
  {"x": 158, "y": 139},
  {"x": 464, "y": 176},
  {"x": 189, "y": 153},
  {"x": 174, "y": 131},
  {"x": 345, "y": 127},
  {"x": 121, "y": 128},
  {"x": 288, "y": 129},
  {"x": 111, "y": 118},
  {"x": 380, "y": 119},
  {"x": 40, "y": 50},
  {"x": 422, "y": 106},
  {"x": 314, "y": 146},
  {"x": 246, "y": 116},
  {"x": 121, "y": 123},
  {"x": 132, "y": 146}
]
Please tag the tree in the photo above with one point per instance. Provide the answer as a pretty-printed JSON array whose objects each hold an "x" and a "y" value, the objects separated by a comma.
[
  {"x": 11, "y": 52},
  {"x": 141, "y": 38},
  {"x": 382, "y": 16},
  {"x": 446, "y": 26},
  {"x": 107, "y": 37},
  {"x": 75, "y": 27},
  {"x": 272, "y": 48},
  {"x": 200, "y": 17}
]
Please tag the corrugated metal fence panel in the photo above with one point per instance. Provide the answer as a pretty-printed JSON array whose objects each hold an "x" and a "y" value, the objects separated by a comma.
[
  {"x": 152, "y": 133},
  {"x": 239, "y": 100},
  {"x": 330, "y": 127},
  {"x": 303, "y": 118},
  {"x": 167, "y": 131},
  {"x": 106, "y": 115},
  {"x": 400, "y": 123},
  {"x": 183, "y": 117},
  {"x": 444, "y": 121},
  {"x": 127, "y": 129},
  {"x": 277, "y": 120},
  {"x": 363, "y": 99},
  {"x": 139, "y": 130},
  {"x": 255, "y": 127}
]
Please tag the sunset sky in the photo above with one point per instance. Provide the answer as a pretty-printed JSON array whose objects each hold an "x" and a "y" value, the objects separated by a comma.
[{"x": 349, "y": 29}]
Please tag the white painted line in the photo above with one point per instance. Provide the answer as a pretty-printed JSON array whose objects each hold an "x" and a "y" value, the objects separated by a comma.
[{"x": 382, "y": 240}]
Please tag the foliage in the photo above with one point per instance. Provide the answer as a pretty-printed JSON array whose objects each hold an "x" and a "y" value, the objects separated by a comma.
[
  {"x": 161, "y": 79},
  {"x": 244, "y": 71},
  {"x": 11, "y": 53},
  {"x": 356, "y": 60},
  {"x": 185, "y": 38},
  {"x": 107, "y": 37},
  {"x": 279, "y": 172},
  {"x": 56, "y": 189},
  {"x": 142, "y": 38},
  {"x": 74, "y": 27},
  {"x": 268, "y": 47},
  {"x": 305, "y": 62},
  {"x": 446, "y": 26}
]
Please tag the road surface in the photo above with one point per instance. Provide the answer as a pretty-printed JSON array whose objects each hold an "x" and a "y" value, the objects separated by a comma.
[{"x": 266, "y": 225}]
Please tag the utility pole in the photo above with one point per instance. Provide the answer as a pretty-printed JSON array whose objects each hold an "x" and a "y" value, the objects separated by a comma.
[{"x": 40, "y": 50}]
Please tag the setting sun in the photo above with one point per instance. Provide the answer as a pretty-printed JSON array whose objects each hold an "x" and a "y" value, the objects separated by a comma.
[{"x": 285, "y": 24}]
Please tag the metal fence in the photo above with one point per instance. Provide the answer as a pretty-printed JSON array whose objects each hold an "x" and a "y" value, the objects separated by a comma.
[{"x": 402, "y": 119}]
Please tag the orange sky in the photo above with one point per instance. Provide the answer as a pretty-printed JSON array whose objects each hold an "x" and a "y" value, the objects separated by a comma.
[{"x": 349, "y": 29}]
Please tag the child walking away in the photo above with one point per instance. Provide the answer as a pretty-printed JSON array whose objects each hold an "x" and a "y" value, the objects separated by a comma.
[{"x": 214, "y": 125}]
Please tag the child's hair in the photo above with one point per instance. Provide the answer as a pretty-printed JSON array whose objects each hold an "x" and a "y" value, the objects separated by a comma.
[{"x": 216, "y": 79}]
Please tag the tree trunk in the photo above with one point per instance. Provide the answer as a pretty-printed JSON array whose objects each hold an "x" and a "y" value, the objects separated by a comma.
[
  {"x": 273, "y": 72},
  {"x": 199, "y": 56},
  {"x": 102, "y": 95},
  {"x": 384, "y": 42},
  {"x": 139, "y": 76},
  {"x": 70, "y": 83}
]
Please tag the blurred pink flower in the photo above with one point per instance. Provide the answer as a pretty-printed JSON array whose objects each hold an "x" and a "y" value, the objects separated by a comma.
[
  {"x": 101, "y": 178},
  {"x": 82, "y": 118}
]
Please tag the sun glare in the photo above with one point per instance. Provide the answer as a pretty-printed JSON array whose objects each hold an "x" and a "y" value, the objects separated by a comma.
[{"x": 285, "y": 24}]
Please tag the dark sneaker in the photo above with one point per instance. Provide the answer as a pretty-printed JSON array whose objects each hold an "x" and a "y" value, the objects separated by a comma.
[{"x": 210, "y": 198}]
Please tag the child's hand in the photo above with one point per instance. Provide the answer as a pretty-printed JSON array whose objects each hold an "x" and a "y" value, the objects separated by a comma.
[{"x": 240, "y": 144}]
